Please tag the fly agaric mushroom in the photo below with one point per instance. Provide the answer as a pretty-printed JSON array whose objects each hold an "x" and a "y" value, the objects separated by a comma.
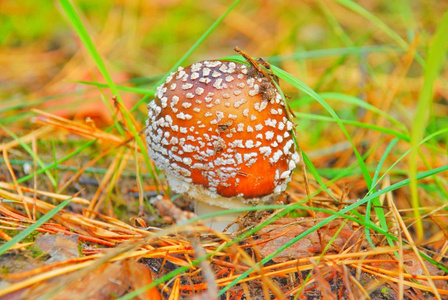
[{"x": 220, "y": 130}]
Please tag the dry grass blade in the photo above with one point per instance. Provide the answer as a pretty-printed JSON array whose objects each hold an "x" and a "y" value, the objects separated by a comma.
[
  {"x": 40, "y": 132},
  {"x": 77, "y": 127},
  {"x": 56, "y": 196}
]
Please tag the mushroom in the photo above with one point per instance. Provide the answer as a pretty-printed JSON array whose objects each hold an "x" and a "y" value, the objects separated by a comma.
[{"x": 222, "y": 133}]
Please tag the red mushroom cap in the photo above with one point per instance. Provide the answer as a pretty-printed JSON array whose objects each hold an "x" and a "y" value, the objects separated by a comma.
[{"x": 221, "y": 134}]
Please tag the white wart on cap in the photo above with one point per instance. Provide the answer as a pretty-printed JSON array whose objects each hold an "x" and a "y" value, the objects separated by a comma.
[{"x": 221, "y": 134}]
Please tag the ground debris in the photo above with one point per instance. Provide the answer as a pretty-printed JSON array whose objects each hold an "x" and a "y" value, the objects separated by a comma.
[{"x": 59, "y": 246}]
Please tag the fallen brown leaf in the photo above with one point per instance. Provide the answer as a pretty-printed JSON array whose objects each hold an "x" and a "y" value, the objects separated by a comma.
[
  {"x": 59, "y": 246},
  {"x": 109, "y": 281},
  {"x": 283, "y": 230}
]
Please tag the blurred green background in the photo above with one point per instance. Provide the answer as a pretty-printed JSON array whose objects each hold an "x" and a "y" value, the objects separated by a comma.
[
  {"x": 145, "y": 38},
  {"x": 358, "y": 49}
]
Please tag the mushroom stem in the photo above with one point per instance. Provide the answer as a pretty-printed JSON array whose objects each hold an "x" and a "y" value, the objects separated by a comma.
[{"x": 218, "y": 223}]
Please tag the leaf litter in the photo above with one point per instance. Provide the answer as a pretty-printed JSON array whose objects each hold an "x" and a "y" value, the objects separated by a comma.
[{"x": 107, "y": 249}]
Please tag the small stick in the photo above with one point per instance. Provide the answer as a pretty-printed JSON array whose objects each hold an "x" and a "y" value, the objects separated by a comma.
[{"x": 252, "y": 62}]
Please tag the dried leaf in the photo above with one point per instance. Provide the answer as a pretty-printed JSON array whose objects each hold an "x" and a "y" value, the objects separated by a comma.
[
  {"x": 285, "y": 229},
  {"x": 59, "y": 246},
  {"x": 139, "y": 276},
  {"x": 109, "y": 281},
  {"x": 412, "y": 266}
]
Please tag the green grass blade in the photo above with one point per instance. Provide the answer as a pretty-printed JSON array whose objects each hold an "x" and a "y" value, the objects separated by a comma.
[
  {"x": 376, "y": 204},
  {"x": 316, "y": 175},
  {"x": 32, "y": 154},
  {"x": 79, "y": 28},
  {"x": 363, "y": 104},
  {"x": 5, "y": 247},
  {"x": 434, "y": 62},
  {"x": 55, "y": 169},
  {"x": 426, "y": 139},
  {"x": 135, "y": 90},
  {"x": 354, "y": 123},
  {"x": 381, "y": 163},
  {"x": 44, "y": 168}
]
